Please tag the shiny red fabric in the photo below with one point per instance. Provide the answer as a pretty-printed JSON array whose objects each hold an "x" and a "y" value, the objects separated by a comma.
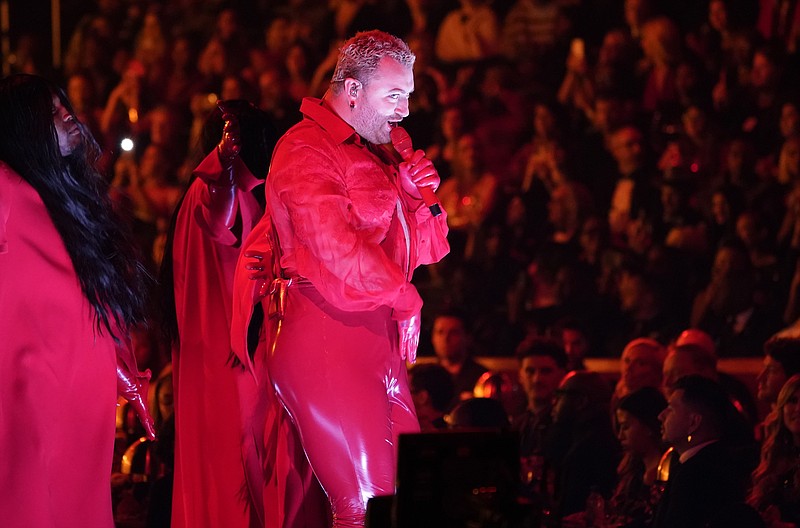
[
  {"x": 350, "y": 239},
  {"x": 209, "y": 487},
  {"x": 58, "y": 384}
]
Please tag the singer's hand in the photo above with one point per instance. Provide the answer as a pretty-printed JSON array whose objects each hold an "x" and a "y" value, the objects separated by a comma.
[
  {"x": 418, "y": 171},
  {"x": 409, "y": 337}
]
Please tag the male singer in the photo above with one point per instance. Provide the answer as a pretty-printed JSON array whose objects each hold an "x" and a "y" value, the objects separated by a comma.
[{"x": 350, "y": 226}]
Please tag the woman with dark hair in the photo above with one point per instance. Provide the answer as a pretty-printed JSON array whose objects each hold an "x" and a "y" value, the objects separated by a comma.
[
  {"x": 70, "y": 288},
  {"x": 639, "y": 432}
]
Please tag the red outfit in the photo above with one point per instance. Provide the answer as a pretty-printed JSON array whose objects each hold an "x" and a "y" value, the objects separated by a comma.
[
  {"x": 58, "y": 382},
  {"x": 350, "y": 238},
  {"x": 209, "y": 473}
]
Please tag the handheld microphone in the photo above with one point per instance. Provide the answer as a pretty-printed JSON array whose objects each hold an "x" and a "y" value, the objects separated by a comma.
[{"x": 402, "y": 144}]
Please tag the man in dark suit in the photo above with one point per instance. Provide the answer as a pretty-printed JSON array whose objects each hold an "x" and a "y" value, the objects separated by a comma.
[{"x": 709, "y": 478}]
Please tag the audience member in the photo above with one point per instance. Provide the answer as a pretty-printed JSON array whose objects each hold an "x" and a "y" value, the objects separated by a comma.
[
  {"x": 543, "y": 364},
  {"x": 478, "y": 413},
  {"x": 688, "y": 357},
  {"x": 131, "y": 59},
  {"x": 709, "y": 478},
  {"x": 634, "y": 195},
  {"x": 641, "y": 366},
  {"x": 576, "y": 339},
  {"x": 451, "y": 343},
  {"x": 432, "y": 391},
  {"x": 469, "y": 33},
  {"x": 776, "y": 481},
  {"x": 781, "y": 362},
  {"x": 639, "y": 432},
  {"x": 727, "y": 308},
  {"x": 582, "y": 449}
]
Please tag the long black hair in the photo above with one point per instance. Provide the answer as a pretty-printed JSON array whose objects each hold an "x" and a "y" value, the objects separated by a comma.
[{"x": 76, "y": 197}]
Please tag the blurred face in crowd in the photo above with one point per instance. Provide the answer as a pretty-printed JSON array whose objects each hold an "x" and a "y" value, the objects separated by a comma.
[
  {"x": 677, "y": 421},
  {"x": 67, "y": 131},
  {"x": 747, "y": 229},
  {"x": 626, "y": 147},
  {"x": 770, "y": 380},
  {"x": 735, "y": 157},
  {"x": 575, "y": 343},
  {"x": 764, "y": 73},
  {"x": 467, "y": 152},
  {"x": 383, "y": 100},
  {"x": 790, "y": 120},
  {"x": 640, "y": 368},
  {"x": 613, "y": 47},
  {"x": 633, "y": 435},
  {"x": 631, "y": 288},
  {"x": 789, "y": 161},
  {"x": 449, "y": 339},
  {"x": 676, "y": 365},
  {"x": 543, "y": 121},
  {"x": 720, "y": 208},
  {"x": 540, "y": 376},
  {"x": 718, "y": 15}
]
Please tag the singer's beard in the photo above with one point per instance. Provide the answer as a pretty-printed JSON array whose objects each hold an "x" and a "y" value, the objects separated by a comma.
[{"x": 372, "y": 126}]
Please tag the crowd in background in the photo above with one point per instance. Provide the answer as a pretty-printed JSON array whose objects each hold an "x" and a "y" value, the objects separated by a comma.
[
  {"x": 615, "y": 169},
  {"x": 624, "y": 164}
]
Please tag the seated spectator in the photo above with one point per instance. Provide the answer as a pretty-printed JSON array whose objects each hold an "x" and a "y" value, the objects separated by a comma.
[
  {"x": 468, "y": 33},
  {"x": 689, "y": 357},
  {"x": 542, "y": 367},
  {"x": 727, "y": 201},
  {"x": 452, "y": 345},
  {"x": 727, "y": 309},
  {"x": 709, "y": 477},
  {"x": 576, "y": 339},
  {"x": 582, "y": 449},
  {"x": 478, "y": 413},
  {"x": 781, "y": 362},
  {"x": 639, "y": 432},
  {"x": 776, "y": 480},
  {"x": 643, "y": 298},
  {"x": 468, "y": 196},
  {"x": 570, "y": 203},
  {"x": 682, "y": 226},
  {"x": 641, "y": 366},
  {"x": 634, "y": 196},
  {"x": 503, "y": 388},
  {"x": 432, "y": 392}
]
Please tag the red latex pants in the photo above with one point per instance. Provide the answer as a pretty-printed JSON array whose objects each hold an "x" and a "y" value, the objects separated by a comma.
[{"x": 341, "y": 378}]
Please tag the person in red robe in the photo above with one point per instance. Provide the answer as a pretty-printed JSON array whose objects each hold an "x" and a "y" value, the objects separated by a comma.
[
  {"x": 345, "y": 228},
  {"x": 70, "y": 286},
  {"x": 221, "y": 206}
]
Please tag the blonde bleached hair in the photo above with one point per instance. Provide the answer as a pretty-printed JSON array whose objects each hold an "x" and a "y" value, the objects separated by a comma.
[{"x": 360, "y": 55}]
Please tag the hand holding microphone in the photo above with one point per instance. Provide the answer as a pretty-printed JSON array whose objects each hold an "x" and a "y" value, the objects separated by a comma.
[{"x": 420, "y": 171}]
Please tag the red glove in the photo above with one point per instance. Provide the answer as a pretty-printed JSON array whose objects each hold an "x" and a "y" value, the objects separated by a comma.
[
  {"x": 221, "y": 185},
  {"x": 133, "y": 387}
]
